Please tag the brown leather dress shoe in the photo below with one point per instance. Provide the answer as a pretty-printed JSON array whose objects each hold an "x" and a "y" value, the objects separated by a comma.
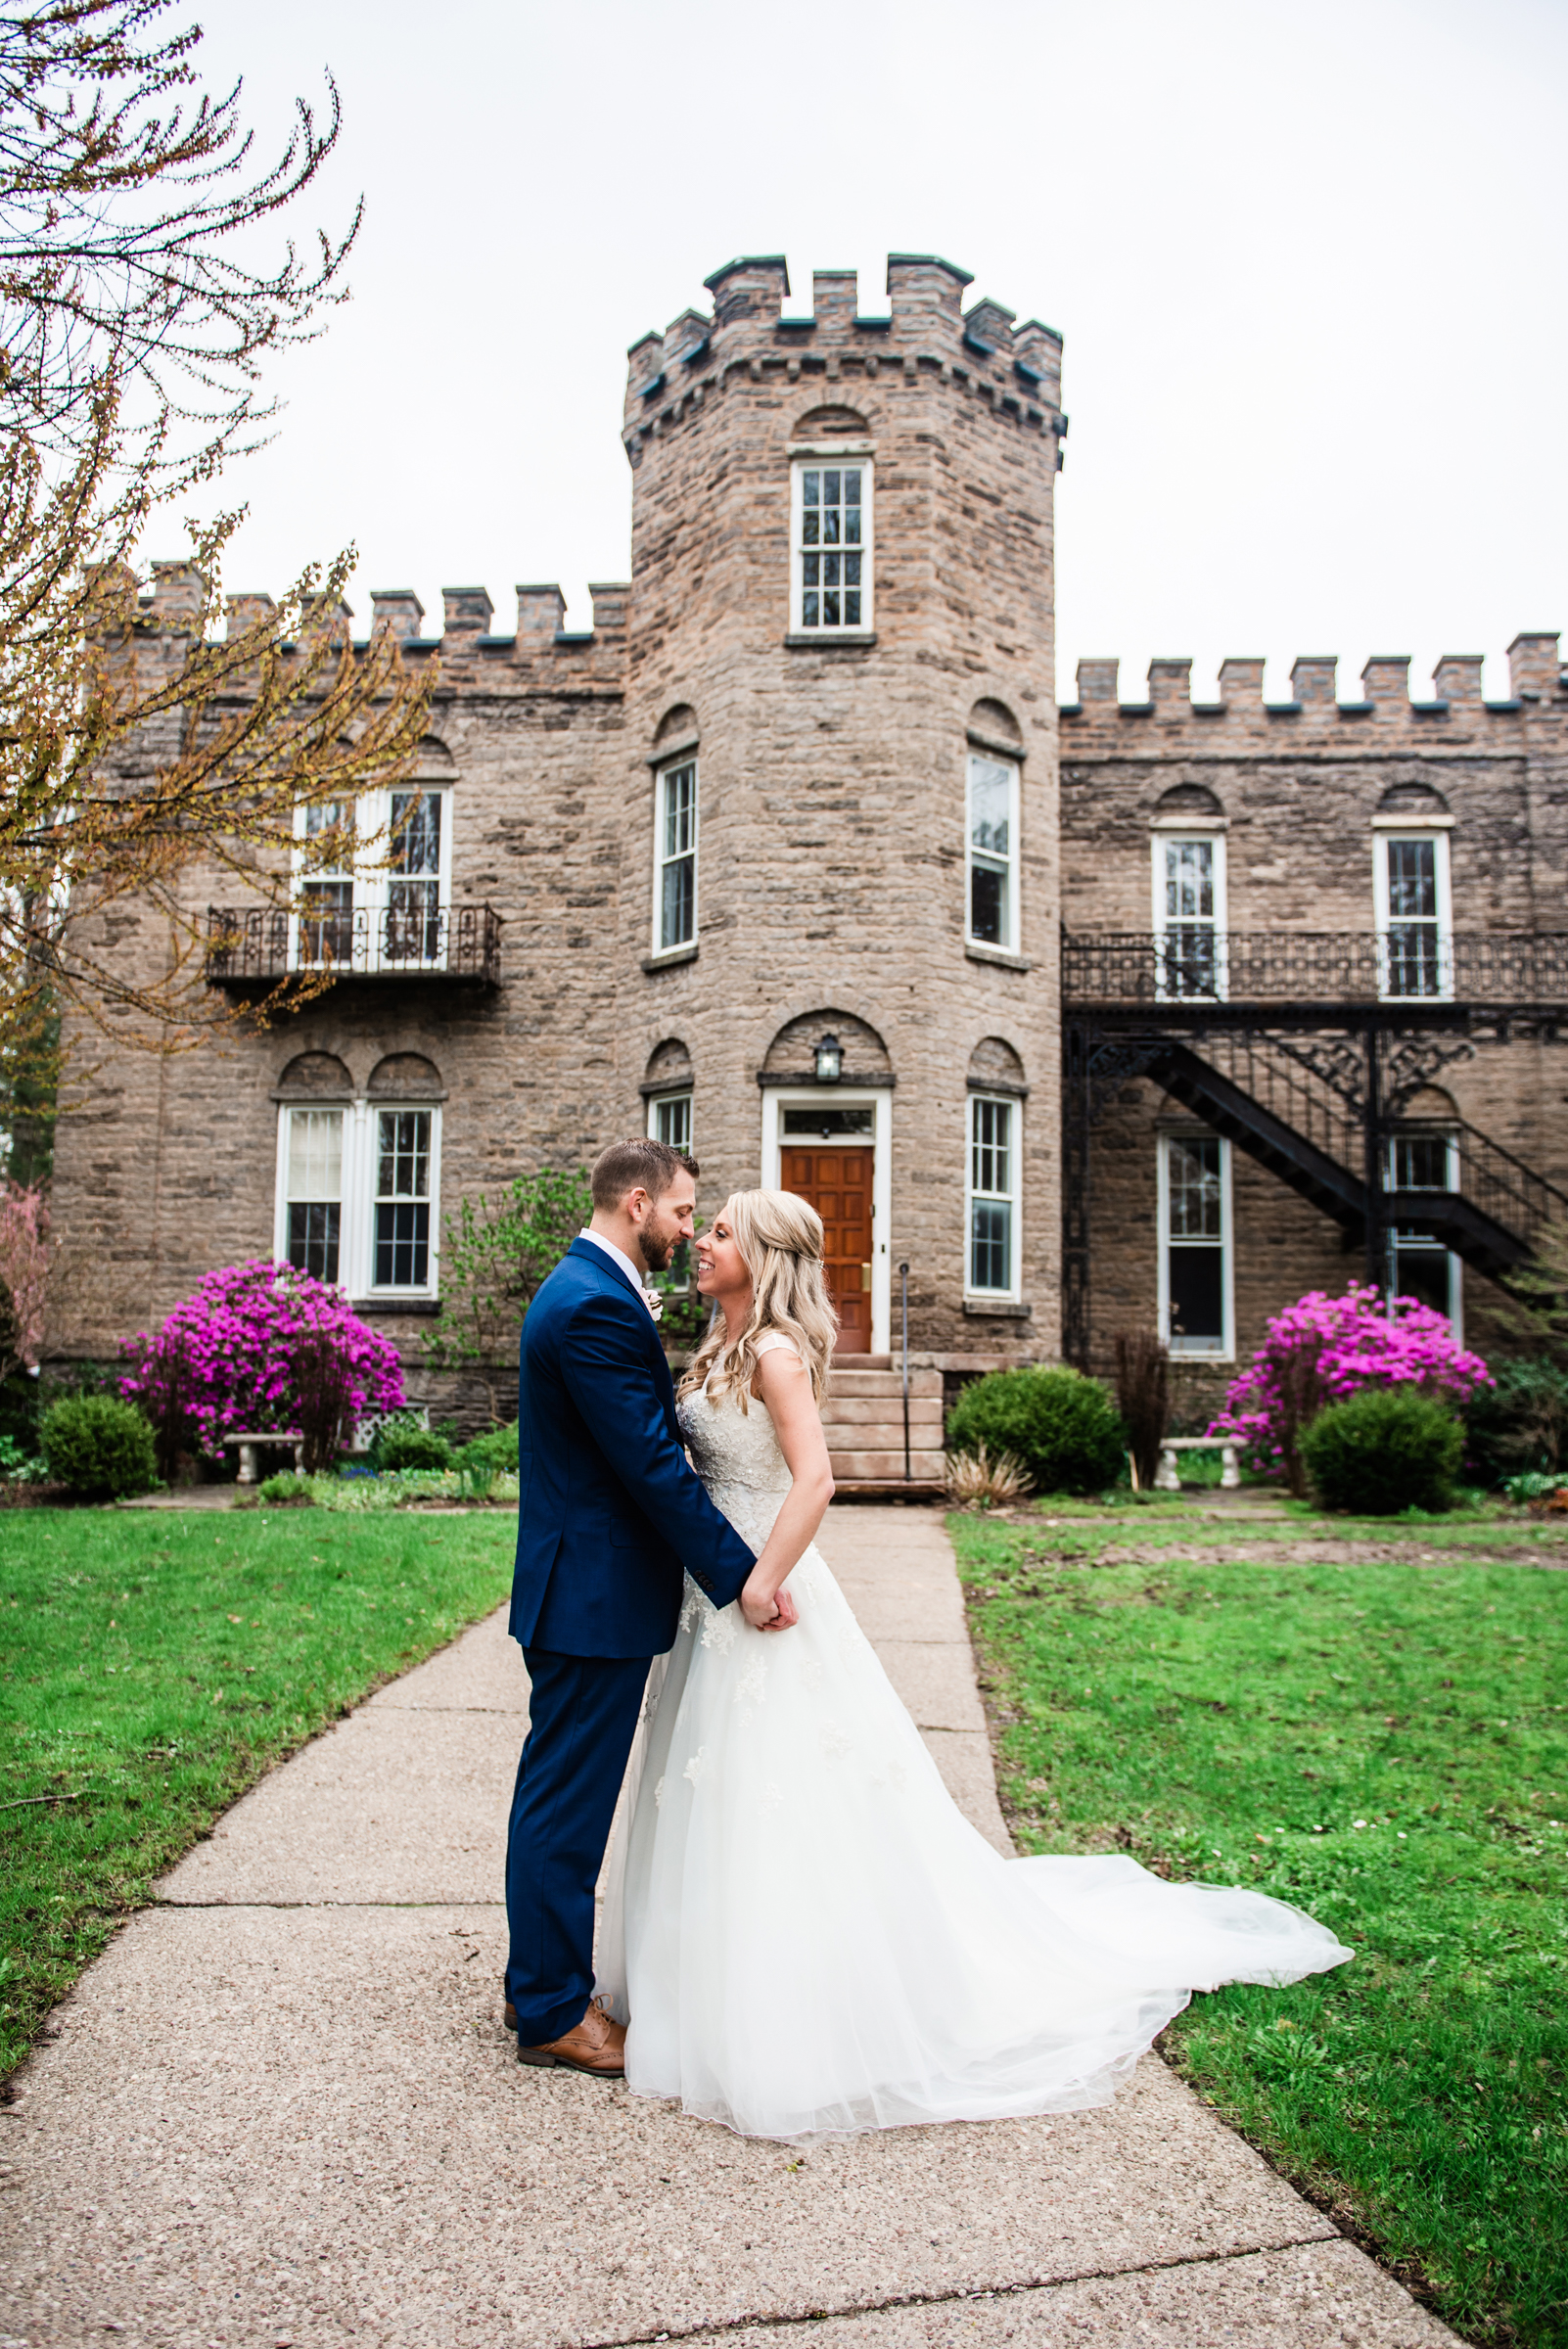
[{"x": 597, "y": 2047}]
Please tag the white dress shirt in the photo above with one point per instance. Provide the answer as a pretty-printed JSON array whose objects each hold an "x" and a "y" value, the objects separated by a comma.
[{"x": 620, "y": 1257}]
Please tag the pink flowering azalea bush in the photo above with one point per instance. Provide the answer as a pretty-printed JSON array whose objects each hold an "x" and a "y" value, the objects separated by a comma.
[
  {"x": 258, "y": 1347},
  {"x": 1323, "y": 1349}
]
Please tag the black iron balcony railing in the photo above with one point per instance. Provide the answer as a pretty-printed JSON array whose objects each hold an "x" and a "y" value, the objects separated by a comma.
[
  {"x": 1191, "y": 963},
  {"x": 259, "y": 946}
]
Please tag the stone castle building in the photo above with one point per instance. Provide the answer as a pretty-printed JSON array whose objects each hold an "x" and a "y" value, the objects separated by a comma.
[{"x": 1117, "y": 1015}]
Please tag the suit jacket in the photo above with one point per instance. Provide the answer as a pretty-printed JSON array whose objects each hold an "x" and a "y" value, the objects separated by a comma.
[{"x": 610, "y": 1509}]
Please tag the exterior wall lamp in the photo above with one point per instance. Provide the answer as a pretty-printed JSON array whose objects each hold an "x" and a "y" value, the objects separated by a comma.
[{"x": 829, "y": 1060}]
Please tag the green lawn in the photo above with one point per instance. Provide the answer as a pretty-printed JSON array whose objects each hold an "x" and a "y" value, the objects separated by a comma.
[
  {"x": 1383, "y": 1744},
  {"x": 156, "y": 1662}
]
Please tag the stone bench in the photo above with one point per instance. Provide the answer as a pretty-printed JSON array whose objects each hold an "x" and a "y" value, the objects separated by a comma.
[
  {"x": 1166, "y": 1477},
  {"x": 250, "y": 1443}
]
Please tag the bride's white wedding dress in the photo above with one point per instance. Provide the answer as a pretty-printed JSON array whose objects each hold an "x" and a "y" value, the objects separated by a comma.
[{"x": 806, "y": 1933}]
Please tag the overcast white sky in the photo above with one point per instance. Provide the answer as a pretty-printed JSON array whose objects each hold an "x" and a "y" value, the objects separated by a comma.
[{"x": 1306, "y": 255}]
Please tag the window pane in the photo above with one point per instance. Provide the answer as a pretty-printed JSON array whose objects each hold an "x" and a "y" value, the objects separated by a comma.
[
  {"x": 990, "y": 793},
  {"x": 413, "y": 927},
  {"x": 402, "y": 1246},
  {"x": 1413, "y": 959},
  {"x": 315, "y": 1154},
  {"x": 313, "y": 1228},
  {"x": 1413, "y": 880},
  {"x": 1194, "y": 1190},
  {"x": 1197, "y": 1294},
  {"x": 991, "y": 1151},
  {"x": 327, "y": 921},
  {"x": 831, "y": 518},
  {"x": 1426, "y": 1272},
  {"x": 403, "y": 1157},
  {"x": 1420, "y": 1163},
  {"x": 416, "y": 832},
  {"x": 332, "y": 823},
  {"x": 672, "y": 1122},
  {"x": 829, "y": 1121},
  {"x": 1189, "y": 880},
  {"x": 988, "y": 904},
  {"x": 678, "y": 902},
  {"x": 990, "y": 1244},
  {"x": 1189, "y": 959}
]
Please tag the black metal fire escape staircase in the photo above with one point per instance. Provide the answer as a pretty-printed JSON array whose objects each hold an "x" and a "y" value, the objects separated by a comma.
[
  {"x": 1297, "y": 1049},
  {"x": 1496, "y": 1238}
]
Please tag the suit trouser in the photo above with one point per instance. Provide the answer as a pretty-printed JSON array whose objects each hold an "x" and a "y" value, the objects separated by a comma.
[{"x": 583, "y": 1717}]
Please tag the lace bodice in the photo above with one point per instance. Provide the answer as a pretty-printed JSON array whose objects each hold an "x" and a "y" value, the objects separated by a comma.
[{"x": 737, "y": 1456}]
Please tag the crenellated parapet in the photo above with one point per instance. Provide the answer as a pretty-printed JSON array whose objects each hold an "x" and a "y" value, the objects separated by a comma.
[
  {"x": 983, "y": 354},
  {"x": 1167, "y": 722}
]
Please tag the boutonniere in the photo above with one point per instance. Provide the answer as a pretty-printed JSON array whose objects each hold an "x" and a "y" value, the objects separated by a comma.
[{"x": 653, "y": 1299}]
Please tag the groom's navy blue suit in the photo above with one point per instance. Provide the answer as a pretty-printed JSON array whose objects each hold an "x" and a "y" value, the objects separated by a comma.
[{"x": 610, "y": 1513}]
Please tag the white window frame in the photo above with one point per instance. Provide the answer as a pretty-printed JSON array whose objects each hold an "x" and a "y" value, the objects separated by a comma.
[
  {"x": 1383, "y": 836},
  {"x": 374, "y": 880},
  {"x": 668, "y": 1100},
  {"x": 1208, "y": 1352},
  {"x": 851, "y": 457},
  {"x": 1011, "y": 862},
  {"x": 776, "y": 1100},
  {"x": 1012, "y": 1196},
  {"x": 356, "y": 1227},
  {"x": 1419, "y": 1243},
  {"x": 1183, "y": 835},
  {"x": 664, "y": 777}
]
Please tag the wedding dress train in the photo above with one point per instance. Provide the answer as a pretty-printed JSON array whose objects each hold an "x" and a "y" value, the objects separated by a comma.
[{"x": 809, "y": 1936}]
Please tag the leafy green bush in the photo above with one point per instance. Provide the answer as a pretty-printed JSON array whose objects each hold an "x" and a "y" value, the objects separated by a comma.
[
  {"x": 492, "y": 1455},
  {"x": 285, "y": 1492},
  {"x": 408, "y": 1447},
  {"x": 96, "y": 1444},
  {"x": 1059, "y": 1424},
  {"x": 1385, "y": 1450},
  {"x": 1519, "y": 1423}
]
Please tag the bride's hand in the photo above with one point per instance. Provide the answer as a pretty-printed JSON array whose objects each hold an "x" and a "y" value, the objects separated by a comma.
[{"x": 768, "y": 1614}]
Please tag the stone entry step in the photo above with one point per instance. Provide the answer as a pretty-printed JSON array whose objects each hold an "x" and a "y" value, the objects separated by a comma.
[{"x": 862, "y": 1418}]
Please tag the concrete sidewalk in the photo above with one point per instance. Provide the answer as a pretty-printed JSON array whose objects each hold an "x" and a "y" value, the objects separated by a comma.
[{"x": 281, "y": 2108}]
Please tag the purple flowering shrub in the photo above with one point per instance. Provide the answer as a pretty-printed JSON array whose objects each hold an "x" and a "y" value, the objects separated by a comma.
[
  {"x": 260, "y": 1347},
  {"x": 1323, "y": 1349}
]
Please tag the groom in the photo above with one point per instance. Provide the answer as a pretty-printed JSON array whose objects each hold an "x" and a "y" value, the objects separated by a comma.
[{"x": 610, "y": 1513}]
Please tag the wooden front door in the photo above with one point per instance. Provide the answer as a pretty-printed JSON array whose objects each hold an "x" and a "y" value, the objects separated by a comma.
[{"x": 838, "y": 1184}]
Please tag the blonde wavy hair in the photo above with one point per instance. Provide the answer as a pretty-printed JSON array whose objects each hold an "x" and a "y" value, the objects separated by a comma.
[{"x": 780, "y": 1238}]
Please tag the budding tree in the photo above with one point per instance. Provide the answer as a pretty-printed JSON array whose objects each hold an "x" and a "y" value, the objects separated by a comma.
[{"x": 135, "y": 325}]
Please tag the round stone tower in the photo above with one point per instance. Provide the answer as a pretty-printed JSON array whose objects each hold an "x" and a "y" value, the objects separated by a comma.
[{"x": 838, "y": 879}]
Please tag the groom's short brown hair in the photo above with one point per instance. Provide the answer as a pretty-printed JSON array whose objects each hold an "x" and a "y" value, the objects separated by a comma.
[{"x": 638, "y": 1165}]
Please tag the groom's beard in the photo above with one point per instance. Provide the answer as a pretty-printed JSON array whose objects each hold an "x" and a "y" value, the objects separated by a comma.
[{"x": 657, "y": 1243}]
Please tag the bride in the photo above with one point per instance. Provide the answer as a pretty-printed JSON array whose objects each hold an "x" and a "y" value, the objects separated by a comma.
[{"x": 803, "y": 1931}]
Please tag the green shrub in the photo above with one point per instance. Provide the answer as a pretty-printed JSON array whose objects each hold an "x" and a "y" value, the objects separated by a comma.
[
  {"x": 492, "y": 1455},
  {"x": 1384, "y": 1449},
  {"x": 285, "y": 1492},
  {"x": 96, "y": 1444},
  {"x": 1519, "y": 1423},
  {"x": 1059, "y": 1424},
  {"x": 408, "y": 1447}
]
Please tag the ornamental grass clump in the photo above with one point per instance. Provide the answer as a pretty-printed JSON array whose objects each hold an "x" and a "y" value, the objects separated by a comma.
[
  {"x": 1057, "y": 1424},
  {"x": 260, "y": 1347},
  {"x": 1385, "y": 1450},
  {"x": 1323, "y": 1349}
]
